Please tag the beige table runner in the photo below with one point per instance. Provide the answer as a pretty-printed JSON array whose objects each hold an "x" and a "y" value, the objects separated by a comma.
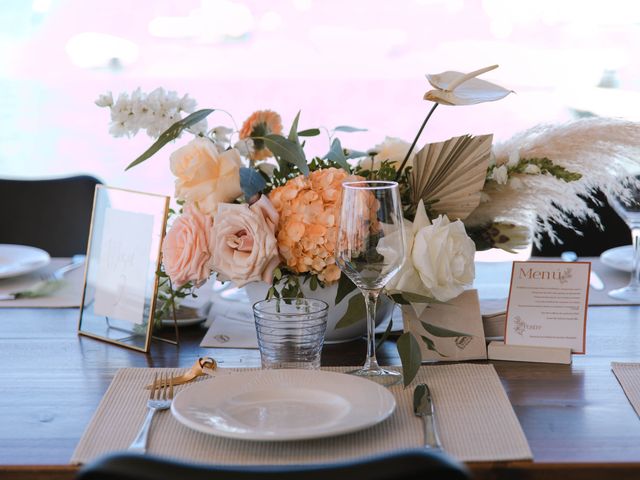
[
  {"x": 476, "y": 421},
  {"x": 628, "y": 374},
  {"x": 67, "y": 296}
]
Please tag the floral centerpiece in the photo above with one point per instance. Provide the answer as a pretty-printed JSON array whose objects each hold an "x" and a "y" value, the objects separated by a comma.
[{"x": 256, "y": 209}]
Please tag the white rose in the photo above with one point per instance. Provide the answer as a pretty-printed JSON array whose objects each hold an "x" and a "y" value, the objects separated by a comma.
[
  {"x": 392, "y": 149},
  {"x": 500, "y": 175},
  {"x": 205, "y": 176},
  {"x": 439, "y": 259},
  {"x": 443, "y": 255}
]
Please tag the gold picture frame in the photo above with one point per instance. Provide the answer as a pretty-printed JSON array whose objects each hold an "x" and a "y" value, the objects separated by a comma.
[{"x": 123, "y": 258}]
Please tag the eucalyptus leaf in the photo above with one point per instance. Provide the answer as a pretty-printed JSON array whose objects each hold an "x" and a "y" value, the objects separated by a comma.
[
  {"x": 356, "y": 154},
  {"x": 345, "y": 287},
  {"x": 251, "y": 182},
  {"x": 356, "y": 309},
  {"x": 195, "y": 117},
  {"x": 385, "y": 335},
  {"x": 410, "y": 356},
  {"x": 398, "y": 298},
  {"x": 293, "y": 132},
  {"x": 348, "y": 129},
  {"x": 442, "y": 332},
  {"x": 336, "y": 155},
  {"x": 416, "y": 298},
  {"x": 285, "y": 149},
  {"x": 310, "y": 132},
  {"x": 170, "y": 134},
  {"x": 431, "y": 345}
]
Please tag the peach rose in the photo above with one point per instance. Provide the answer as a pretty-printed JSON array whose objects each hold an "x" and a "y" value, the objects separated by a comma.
[
  {"x": 205, "y": 176},
  {"x": 244, "y": 243},
  {"x": 309, "y": 209},
  {"x": 186, "y": 250}
]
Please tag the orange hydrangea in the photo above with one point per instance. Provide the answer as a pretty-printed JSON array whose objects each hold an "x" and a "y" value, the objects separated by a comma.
[
  {"x": 307, "y": 229},
  {"x": 259, "y": 124}
]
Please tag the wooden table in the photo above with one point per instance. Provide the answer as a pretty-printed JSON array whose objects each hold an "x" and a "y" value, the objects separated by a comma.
[{"x": 576, "y": 417}]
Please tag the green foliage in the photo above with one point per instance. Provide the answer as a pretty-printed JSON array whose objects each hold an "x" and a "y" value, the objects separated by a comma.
[
  {"x": 348, "y": 129},
  {"x": 345, "y": 287},
  {"x": 286, "y": 151},
  {"x": 545, "y": 165},
  {"x": 251, "y": 182},
  {"x": 170, "y": 134},
  {"x": 356, "y": 310},
  {"x": 385, "y": 335},
  {"x": 410, "y": 356},
  {"x": 311, "y": 132},
  {"x": 337, "y": 155},
  {"x": 442, "y": 332}
]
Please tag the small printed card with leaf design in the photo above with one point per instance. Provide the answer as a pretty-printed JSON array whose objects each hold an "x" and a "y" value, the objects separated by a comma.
[
  {"x": 547, "y": 305},
  {"x": 448, "y": 331}
]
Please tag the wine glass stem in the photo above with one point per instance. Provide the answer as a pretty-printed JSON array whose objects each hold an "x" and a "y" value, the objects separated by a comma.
[
  {"x": 371, "y": 299},
  {"x": 635, "y": 277}
]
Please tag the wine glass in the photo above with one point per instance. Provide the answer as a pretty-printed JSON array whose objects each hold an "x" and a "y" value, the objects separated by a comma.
[
  {"x": 628, "y": 208},
  {"x": 370, "y": 250}
]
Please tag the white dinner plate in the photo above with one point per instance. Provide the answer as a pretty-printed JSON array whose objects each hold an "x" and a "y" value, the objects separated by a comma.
[
  {"x": 620, "y": 258},
  {"x": 277, "y": 405},
  {"x": 19, "y": 259},
  {"x": 188, "y": 316}
]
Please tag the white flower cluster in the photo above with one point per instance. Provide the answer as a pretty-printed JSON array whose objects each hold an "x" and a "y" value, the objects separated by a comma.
[
  {"x": 153, "y": 112},
  {"x": 502, "y": 174}
]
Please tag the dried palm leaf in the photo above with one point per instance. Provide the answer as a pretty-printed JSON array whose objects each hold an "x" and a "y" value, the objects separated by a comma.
[{"x": 449, "y": 175}]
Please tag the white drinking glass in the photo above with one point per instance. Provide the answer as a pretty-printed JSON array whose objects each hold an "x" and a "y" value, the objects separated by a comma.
[{"x": 629, "y": 210}]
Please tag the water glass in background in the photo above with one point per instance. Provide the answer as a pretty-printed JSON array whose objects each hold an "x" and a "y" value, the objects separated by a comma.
[{"x": 290, "y": 332}]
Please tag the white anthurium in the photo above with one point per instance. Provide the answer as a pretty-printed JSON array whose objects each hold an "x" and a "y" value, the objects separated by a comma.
[{"x": 456, "y": 88}]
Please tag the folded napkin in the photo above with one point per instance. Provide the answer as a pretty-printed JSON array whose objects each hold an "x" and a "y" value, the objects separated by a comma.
[
  {"x": 231, "y": 321},
  {"x": 628, "y": 374},
  {"x": 476, "y": 421},
  {"x": 67, "y": 296}
]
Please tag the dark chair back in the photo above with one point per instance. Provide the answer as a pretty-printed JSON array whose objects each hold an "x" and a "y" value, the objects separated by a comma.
[
  {"x": 593, "y": 240},
  {"x": 418, "y": 464},
  {"x": 53, "y": 214}
]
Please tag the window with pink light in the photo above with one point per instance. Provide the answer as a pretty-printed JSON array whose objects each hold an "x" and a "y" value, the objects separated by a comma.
[{"x": 360, "y": 63}]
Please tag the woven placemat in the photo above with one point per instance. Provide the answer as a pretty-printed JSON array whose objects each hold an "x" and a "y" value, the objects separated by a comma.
[
  {"x": 628, "y": 374},
  {"x": 476, "y": 421}
]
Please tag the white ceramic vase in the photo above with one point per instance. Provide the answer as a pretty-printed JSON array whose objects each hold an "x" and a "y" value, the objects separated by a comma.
[{"x": 257, "y": 291}]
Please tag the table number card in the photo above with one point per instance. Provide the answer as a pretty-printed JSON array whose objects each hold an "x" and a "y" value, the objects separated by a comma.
[
  {"x": 123, "y": 265},
  {"x": 548, "y": 305},
  {"x": 120, "y": 285}
]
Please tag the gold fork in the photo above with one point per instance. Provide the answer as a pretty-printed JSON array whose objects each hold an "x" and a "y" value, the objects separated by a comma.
[{"x": 159, "y": 399}]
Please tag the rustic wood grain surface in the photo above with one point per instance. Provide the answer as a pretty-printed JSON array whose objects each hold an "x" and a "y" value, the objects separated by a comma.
[{"x": 576, "y": 417}]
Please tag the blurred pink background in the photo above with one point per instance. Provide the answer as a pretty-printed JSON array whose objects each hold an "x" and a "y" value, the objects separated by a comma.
[{"x": 360, "y": 63}]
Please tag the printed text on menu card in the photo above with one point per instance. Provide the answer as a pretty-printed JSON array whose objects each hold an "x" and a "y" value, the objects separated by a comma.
[{"x": 548, "y": 305}]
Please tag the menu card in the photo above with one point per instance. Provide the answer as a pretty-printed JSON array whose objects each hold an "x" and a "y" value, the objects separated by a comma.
[{"x": 547, "y": 305}]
